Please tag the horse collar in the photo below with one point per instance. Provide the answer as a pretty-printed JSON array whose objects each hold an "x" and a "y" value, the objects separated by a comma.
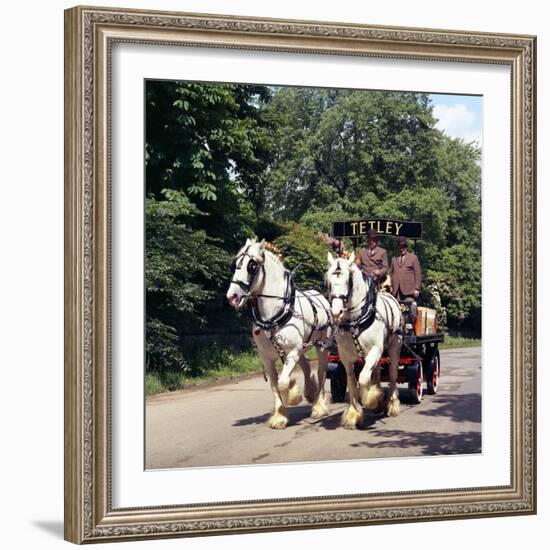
[
  {"x": 367, "y": 315},
  {"x": 286, "y": 312}
]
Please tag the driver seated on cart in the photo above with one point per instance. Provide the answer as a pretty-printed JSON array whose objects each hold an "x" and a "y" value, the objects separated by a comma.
[
  {"x": 373, "y": 259},
  {"x": 406, "y": 277}
]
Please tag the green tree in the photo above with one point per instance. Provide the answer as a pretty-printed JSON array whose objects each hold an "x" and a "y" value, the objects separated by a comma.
[
  {"x": 183, "y": 270},
  {"x": 345, "y": 144},
  {"x": 206, "y": 151},
  {"x": 210, "y": 142},
  {"x": 305, "y": 253}
]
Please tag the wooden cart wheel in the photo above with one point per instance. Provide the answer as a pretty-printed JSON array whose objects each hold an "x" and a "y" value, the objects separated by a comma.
[
  {"x": 338, "y": 384},
  {"x": 416, "y": 382},
  {"x": 432, "y": 374}
]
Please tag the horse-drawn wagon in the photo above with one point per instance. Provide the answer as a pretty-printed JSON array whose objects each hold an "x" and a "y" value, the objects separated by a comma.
[
  {"x": 419, "y": 359},
  {"x": 419, "y": 362},
  {"x": 374, "y": 340}
]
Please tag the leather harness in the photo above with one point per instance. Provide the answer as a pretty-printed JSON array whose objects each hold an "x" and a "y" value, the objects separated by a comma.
[
  {"x": 287, "y": 310},
  {"x": 367, "y": 315}
]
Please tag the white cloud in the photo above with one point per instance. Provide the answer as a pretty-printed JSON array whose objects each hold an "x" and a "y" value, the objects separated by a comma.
[{"x": 458, "y": 121}]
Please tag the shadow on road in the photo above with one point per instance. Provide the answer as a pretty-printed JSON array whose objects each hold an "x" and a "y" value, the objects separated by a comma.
[
  {"x": 333, "y": 421},
  {"x": 296, "y": 414},
  {"x": 261, "y": 419},
  {"x": 404, "y": 398},
  {"x": 429, "y": 443},
  {"x": 459, "y": 408}
]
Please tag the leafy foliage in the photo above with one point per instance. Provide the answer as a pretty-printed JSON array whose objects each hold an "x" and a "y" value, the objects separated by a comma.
[
  {"x": 209, "y": 141},
  {"x": 206, "y": 151},
  {"x": 179, "y": 282},
  {"x": 305, "y": 252},
  {"x": 345, "y": 145}
]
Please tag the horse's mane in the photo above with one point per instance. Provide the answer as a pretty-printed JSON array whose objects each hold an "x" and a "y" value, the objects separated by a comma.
[
  {"x": 274, "y": 257},
  {"x": 354, "y": 267},
  {"x": 356, "y": 270}
]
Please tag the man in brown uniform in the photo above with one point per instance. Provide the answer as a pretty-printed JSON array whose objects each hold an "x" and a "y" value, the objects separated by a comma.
[
  {"x": 373, "y": 259},
  {"x": 406, "y": 276}
]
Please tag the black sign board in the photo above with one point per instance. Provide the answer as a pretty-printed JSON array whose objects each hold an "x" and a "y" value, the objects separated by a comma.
[{"x": 394, "y": 228}]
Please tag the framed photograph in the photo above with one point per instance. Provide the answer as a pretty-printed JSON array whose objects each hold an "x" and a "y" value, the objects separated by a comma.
[{"x": 299, "y": 274}]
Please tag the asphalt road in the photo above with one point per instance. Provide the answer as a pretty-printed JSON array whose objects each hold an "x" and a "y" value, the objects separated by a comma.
[{"x": 226, "y": 424}]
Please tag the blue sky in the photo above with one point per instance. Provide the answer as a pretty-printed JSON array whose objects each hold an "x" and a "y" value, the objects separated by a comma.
[{"x": 459, "y": 116}]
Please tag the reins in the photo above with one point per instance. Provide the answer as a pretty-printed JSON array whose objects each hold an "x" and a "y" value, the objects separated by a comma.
[{"x": 367, "y": 306}]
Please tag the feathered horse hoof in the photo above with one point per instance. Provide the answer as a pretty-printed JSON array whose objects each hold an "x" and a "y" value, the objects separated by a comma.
[
  {"x": 278, "y": 421},
  {"x": 351, "y": 418}
]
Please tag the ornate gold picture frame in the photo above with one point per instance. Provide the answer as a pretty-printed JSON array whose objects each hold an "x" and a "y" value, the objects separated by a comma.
[{"x": 90, "y": 34}]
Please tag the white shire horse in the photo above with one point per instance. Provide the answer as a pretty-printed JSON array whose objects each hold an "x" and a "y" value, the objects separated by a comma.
[
  {"x": 287, "y": 322},
  {"x": 367, "y": 322}
]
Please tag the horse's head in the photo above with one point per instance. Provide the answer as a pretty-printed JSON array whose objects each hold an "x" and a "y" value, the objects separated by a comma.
[
  {"x": 340, "y": 283},
  {"x": 245, "y": 268}
]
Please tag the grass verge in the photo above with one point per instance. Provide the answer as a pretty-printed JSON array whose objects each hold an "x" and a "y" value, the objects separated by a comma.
[
  {"x": 459, "y": 342},
  {"x": 232, "y": 366}
]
